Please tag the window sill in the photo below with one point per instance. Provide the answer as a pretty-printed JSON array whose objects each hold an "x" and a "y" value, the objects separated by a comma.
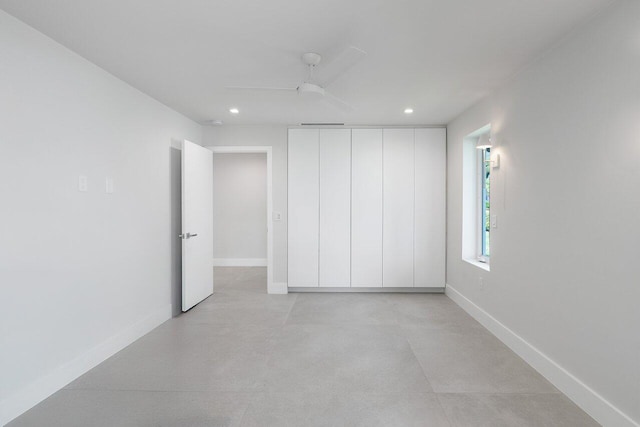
[{"x": 483, "y": 265}]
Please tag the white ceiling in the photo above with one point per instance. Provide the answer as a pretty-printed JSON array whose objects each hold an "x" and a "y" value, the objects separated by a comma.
[{"x": 437, "y": 56}]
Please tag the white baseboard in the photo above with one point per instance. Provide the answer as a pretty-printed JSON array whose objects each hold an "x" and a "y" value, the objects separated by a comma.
[
  {"x": 37, "y": 391},
  {"x": 278, "y": 288},
  {"x": 585, "y": 397},
  {"x": 239, "y": 262},
  {"x": 363, "y": 290}
]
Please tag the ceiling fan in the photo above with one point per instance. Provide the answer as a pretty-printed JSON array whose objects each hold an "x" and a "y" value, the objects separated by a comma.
[{"x": 312, "y": 86}]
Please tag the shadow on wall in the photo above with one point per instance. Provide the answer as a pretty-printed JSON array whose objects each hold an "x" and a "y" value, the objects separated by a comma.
[{"x": 176, "y": 225}]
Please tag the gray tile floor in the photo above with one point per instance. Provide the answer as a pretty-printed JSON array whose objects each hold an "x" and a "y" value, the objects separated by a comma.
[{"x": 245, "y": 358}]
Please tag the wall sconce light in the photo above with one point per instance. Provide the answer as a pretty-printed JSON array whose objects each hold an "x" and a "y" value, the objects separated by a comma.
[
  {"x": 484, "y": 141},
  {"x": 495, "y": 161}
]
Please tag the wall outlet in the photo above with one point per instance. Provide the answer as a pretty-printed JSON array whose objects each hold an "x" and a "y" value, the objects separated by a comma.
[
  {"x": 277, "y": 216},
  {"x": 494, "y": 221}
]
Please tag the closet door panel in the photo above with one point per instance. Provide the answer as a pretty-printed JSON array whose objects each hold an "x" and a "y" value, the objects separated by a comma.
[
  {"x": 430, "y": 207},
  {"x": 335, "y": 207},
  {"x": 366, "y": 208},
  {"x": 303, "y": 207},
  {"x": 398, "y": 214}
]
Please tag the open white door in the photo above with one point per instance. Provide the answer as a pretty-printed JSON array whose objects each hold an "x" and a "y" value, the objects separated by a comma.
[{"x": 197, "y": 224}]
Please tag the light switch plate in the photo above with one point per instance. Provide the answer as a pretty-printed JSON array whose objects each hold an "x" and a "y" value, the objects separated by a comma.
[
  {"x": 277, "y": 216},
  {"x": 108, "y": 185},
  {"x": 494, "y": 221},
  {"x": 83, "y": 183}
]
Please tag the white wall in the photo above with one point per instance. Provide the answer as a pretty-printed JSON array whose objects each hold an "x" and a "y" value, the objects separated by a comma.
[
  {"x": 276, "y": 137},
  {"x": 565, "y": 276},
  {"x": 81, "y": 274},
  {"x": 240, "y": 206}
]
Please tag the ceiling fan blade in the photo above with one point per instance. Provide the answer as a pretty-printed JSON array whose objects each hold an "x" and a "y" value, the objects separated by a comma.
[
  {"x": 330, "y": 71},
  {"x": 337, "y": 102},
  {"x": 260, "y": 88}
]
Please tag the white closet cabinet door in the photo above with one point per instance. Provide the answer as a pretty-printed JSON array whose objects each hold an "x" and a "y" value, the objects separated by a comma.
[
  {"x": 303, "y": 207},
  {"x": 366, "y": 208},
  {"x": 335, "y": 207},
  {"x": 430, "y": 200},
  {"x": 398, "y": 193}
]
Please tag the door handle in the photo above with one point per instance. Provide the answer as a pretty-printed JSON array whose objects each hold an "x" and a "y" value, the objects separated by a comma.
[{"x": 187, "y": 235}]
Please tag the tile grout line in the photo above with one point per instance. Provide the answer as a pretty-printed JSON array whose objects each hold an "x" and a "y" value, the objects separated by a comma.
[
  {"x": 415, "y": 356},
  {"x": 446, "y": 416},
  {"x": 246, "y": 408},
  {"x": 286, "y": 319},
  {"x": 136, "y": 390}
]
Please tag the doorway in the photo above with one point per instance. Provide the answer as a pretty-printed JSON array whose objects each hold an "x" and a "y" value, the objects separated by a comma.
[{"x": 243, "y": 228}]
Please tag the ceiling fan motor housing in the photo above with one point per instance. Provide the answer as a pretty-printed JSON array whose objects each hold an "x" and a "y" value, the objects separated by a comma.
[{"x": 311, "y": 58}]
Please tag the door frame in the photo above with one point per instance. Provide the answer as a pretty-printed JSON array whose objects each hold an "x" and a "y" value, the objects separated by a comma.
[{"x": 268, "y": 150}]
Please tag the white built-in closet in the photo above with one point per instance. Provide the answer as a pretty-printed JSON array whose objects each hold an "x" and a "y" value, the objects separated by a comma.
[{"x": 366, "y": 208}]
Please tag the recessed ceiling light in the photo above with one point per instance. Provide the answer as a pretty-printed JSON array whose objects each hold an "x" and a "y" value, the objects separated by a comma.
[
  {"x": 408, "y": 110},
  {"x": 234, "y": 110}
]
